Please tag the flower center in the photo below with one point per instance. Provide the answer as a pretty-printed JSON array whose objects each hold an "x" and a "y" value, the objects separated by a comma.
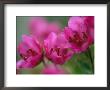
[
  {"x": 59, "y": 51},
  {"x": 29, "y": 53},
  {"x": 77, "y": 39},
  {"x": 55, "y": 50}
]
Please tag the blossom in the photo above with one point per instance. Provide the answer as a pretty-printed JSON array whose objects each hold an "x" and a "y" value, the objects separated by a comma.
[
  {"x": 51, "y": 69},
  {"x": 77, "y": 34},
  {"x": 57, "y": 48},
  {"x": 41, "y": 28},
  {"x": 30, "y": 51}
]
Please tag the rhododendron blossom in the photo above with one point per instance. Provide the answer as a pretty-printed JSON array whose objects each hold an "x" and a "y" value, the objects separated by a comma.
[
  {"x": 77, "y": 34},
  {"x": 30, "y": 51},
  {"x": 57, "y": 48},
  {"x": 41, "y": 28}
]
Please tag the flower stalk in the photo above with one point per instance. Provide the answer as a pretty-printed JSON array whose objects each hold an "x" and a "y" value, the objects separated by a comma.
[{"x": 91, "y": 60}]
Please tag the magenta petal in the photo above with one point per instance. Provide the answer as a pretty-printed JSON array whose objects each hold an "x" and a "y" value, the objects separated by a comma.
[
  {"x": 85, "y": 46},
  {"x": 31, "y": 42},
  {"x": 62, "y": 41},
  {"x": 37, "y": 24},
  {"x": 30, "y": 63},
  {"x": 23, "y": 64},
  {"x": 51, "y": 69},
  {"x": 57, "y": 59},
  {"x": 38, "y": 27},
  {"x": 51, "y": 40},
  {"x": 28, "y": 41},
  {"x": 68, "y": 32},
  {"x": 75, "y": 22},
  {"x": 89, "y": 21},
  {"x": 41, "y": 28},
  {"x": 69, "y": 55},
  {"x": 91, "y": 33},
  {"x": 54, "y": 27},
  {"x": 22, "y": 48},
  {"x": 20, "y": 64}
]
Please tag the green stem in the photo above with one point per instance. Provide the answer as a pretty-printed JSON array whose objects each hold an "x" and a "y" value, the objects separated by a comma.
[
  {"x": 44, "y": 62},
  {"x": 91, "y": 60}
]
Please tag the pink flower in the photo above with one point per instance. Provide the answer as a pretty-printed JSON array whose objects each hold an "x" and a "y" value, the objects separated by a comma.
[
  {"x": 41, "y": 28},
  {"x": 51, "y": 69},
  {"x": 57, "y": 48},
  {"x": 77, "y": 34},
  {"x": 30, "y": 51}
]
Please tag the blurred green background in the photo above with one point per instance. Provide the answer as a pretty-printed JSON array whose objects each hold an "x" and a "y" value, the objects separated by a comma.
[{"x": 79, "y": 64}]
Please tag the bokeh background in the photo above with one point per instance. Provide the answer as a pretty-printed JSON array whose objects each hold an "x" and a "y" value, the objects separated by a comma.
[{"x": 79, "y": 64}]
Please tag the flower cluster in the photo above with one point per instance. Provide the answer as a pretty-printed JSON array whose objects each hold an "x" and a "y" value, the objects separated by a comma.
[{"x": 48, "y": 40}]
